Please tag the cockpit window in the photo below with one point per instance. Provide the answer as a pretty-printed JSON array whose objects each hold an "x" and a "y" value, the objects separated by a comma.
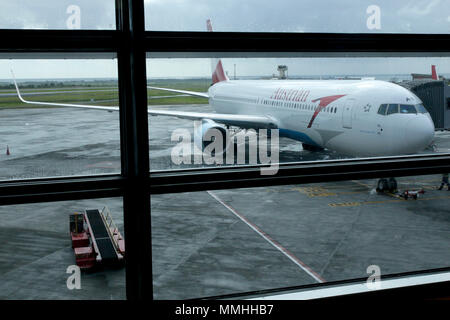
[
  {"x": 392, "y": 108},
  {"x": 421, "y": 108},
  {"x": 386, "y": 109},
  {"x": 382, "y": 109},
  {"x": 407, "y": 108}
]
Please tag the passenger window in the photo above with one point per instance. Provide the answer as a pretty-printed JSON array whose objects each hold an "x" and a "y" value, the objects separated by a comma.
[
  {"x": 407, "y": 108},
  {"x": 393, "y": 108},
  {"x": 382, "y": 109}
]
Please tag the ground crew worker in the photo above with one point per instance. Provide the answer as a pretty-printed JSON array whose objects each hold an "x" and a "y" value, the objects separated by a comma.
[{"x": 445, "y": 181}]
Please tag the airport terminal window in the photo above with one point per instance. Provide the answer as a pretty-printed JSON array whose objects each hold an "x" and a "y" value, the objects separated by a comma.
[
  {"x": 41, "y": 137},
  {"x": 226, "y": 241},
  {"x": 65, "y": 15},
  {"x": 37, "y": 261},
  {"x": 179, "y": 88},
  {"x": 382, "y": 16}
]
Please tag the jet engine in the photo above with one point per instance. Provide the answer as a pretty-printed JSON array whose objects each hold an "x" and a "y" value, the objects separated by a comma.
[{"x": 208, "y": 132}]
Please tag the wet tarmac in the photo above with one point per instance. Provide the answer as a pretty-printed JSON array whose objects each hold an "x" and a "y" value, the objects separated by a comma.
[{"x": 208, "y": 243}]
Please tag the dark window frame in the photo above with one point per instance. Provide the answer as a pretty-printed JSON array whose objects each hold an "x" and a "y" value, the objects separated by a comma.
[
  {"x": 383, "y": 107},
  {"x": 132, "y": 44}
]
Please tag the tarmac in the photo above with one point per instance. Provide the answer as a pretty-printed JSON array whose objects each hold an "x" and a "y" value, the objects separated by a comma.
[{"x": 208, "y": 243}]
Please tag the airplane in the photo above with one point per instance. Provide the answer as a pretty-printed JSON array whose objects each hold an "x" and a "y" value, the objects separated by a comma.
[{"x": 353, "y": 117}]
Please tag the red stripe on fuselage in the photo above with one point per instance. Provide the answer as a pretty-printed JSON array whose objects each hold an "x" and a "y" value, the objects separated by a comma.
[{"x": 324, "y": 101}]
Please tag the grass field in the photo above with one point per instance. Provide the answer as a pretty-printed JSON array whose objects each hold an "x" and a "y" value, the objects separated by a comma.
[{"x": 101, "y": 93}]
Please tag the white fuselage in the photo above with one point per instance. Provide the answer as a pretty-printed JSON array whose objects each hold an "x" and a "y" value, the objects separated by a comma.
[{"x": 339, "y": 115}]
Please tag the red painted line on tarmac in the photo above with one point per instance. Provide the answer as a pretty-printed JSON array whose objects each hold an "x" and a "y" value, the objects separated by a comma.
[{"x": 273, "y": 242}]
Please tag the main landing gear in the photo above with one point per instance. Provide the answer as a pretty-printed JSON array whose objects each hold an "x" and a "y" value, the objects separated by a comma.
[{"x": 387, "y": 185}]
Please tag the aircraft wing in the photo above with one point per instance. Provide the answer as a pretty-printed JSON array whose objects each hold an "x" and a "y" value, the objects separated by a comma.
[
  {"x": 238, "y": 120},
  {"x": 52, "y": 104},
  {"x": 243, "y": 121},
  {"x": 191, "y": 93}
]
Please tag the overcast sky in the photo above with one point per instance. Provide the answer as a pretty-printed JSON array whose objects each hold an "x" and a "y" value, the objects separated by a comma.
[{"x": 403, "y": 16}]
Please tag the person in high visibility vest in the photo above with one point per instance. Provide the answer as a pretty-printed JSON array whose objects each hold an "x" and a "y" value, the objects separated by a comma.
[{"x": 445, "y": 181}]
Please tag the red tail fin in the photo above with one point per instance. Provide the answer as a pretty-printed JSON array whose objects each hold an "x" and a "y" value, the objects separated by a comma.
[
  {"x": 209, "y": 25},
  {"x": 434, "y": 75},
  {"x": 218, "y": 74}
]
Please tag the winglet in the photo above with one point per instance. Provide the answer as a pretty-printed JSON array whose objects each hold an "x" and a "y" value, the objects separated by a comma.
[{"x": 17, "y": 87}]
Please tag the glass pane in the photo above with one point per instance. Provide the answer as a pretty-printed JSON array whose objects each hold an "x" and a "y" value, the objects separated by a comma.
[
  {"x": 233, "y": 241},
  {"x": 37, "y": 261},
  {"x": 321, "y": 109},
  {"x": 421, "y": 108},
  {"x": 407, "y": 108},
  {"x": 61, "y": 14},
  {"x": 40, "y": 139},
  {"x": 382, "y": 109},
  {"x": 392, "y": 108},
  {"x": 366, "y": 16}
]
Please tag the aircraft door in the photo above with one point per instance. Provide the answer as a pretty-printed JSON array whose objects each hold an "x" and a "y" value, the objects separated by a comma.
[{"x": 347, "y": 113}]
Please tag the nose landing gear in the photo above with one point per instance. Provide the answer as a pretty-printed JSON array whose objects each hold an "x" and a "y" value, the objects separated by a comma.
[
  {"x": 387, "y": 185},
  {"x": 309, "y": 147}
]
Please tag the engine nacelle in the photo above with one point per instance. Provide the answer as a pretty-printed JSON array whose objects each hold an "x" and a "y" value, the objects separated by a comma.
[{"x": 208, "y": 132}]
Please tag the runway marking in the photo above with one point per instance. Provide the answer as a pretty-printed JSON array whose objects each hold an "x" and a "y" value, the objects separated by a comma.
[{"x": 274, "y": 243}]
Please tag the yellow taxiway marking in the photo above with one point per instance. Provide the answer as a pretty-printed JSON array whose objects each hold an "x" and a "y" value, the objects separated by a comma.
[
  {"x": 323, "y": 192},
  {"x": 354, "y": 204},
  {"x": 330, "y": 190},
  {"x": 362, "y": 184}
]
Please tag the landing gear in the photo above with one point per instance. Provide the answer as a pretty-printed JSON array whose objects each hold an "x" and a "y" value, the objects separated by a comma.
[
  {"x": 387, "y": 185},
  {"x": 309, "y": 147}
]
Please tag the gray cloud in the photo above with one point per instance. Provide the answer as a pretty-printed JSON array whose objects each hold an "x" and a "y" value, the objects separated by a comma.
[
  {"x": 421, "y": 16},
  {"x": 51, "y": 14}
]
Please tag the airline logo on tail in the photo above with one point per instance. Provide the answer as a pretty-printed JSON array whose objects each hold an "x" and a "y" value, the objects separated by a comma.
[{"x": 218, "y": 74}]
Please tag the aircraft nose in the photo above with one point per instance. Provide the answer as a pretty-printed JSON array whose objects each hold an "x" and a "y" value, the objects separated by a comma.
[{"x": 419, "y": 132}]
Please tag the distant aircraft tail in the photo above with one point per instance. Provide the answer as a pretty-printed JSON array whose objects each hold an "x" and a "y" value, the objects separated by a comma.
[
  {"x": 218, "y": 74},
  {"x": 434, "y": 74}
]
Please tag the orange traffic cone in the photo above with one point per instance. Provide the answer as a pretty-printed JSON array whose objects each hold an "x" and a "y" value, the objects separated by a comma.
[{"x": 7, "y": 151}]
